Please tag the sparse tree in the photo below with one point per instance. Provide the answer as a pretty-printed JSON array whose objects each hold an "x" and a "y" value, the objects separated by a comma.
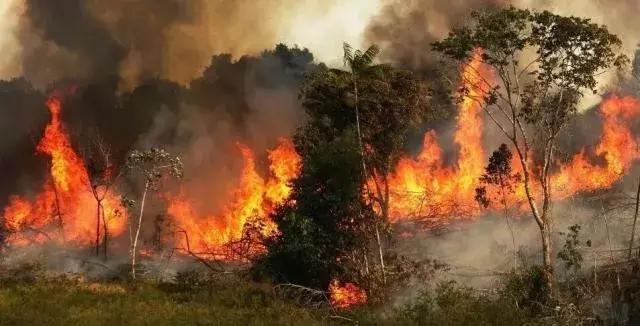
[
  {"x": 498, "y": 184},
  {"x": 152, "y": 166},
  {"x": 541, "y": 64},
  {"x": 102, "y": 177}
]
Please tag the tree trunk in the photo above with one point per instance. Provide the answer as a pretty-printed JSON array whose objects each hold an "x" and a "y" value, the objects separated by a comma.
[
  {"x": 105, "y": 231},
  {"x": 134, "y": 244},
  {"x": 59, "y": 213},
  {"x": 542, "y": 219},
  {"x": 384, "y": 277},
  {"x": 635, "y": 220},
  {"x": 98, "y": 229},
  {"x": 547, "y": 256},
  {"x": 364, "y": 170}
]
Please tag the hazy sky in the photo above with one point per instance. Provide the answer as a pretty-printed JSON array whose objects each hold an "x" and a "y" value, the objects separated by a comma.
[{"x": 324, "y": 32}]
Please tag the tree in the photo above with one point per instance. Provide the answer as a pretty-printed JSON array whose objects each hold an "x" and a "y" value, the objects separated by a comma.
[
  {"x": 542, "y": 64},
  {"x": 152, "y": 165},
  {"x": 386, "y": 102},
  {"x": 499, "y": 177},
  {"x": 323, "y": 227},
  {"x": 102, "y": 177}
]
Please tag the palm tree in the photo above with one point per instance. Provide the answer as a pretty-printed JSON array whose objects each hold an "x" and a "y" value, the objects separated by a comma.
[{"x": 360, "y": 65}]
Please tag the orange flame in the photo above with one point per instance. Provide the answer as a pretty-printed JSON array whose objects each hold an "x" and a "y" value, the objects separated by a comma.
[
  {"x": 252, "y": 201},
  {"x": 66, "y": 200},
  {"x": 423, "y": 187},
  {"x": 346, "y": 295},
  {"x": 617, "y": 146}
]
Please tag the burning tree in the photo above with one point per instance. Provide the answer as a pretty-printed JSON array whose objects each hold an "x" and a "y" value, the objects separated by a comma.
[
  {"x": 152, "y": 165},
  {"x": 542, "y": 64},
  {"x": 102, "y": 177},
  {"x": 351, "y": 143}
]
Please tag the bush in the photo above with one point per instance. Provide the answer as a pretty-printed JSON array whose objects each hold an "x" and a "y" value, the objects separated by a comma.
[{"x": 452, "y": 304}]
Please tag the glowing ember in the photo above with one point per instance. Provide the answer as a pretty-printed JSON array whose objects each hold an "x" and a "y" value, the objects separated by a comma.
[
  {"x": 252, "y": 201},
  {"x": 66, "y": 202},
  {"x": 346, "y": 295}
]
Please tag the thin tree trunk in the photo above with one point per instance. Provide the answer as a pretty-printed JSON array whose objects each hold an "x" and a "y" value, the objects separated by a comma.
[
  {"x": 105, "y": 231},
  {"x": 384, "y": 277},
  {"x": 635, "y": 220},
  {"x": 59, "y": 213},
  {"x": 547, "y": 259},
  {"x": 134, "y": 245},
  {"x": 98, "y": 229},
  {"x": 513, "y": 238},
  {"x": 364, "y": 171}
]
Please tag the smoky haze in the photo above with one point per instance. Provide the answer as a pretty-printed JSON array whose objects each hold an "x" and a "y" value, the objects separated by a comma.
[{"x": 136, "y": 40}]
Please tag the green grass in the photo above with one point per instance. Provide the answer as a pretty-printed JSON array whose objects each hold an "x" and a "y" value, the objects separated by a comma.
[
  {"x": 71, "y": 302},
  {"x": 27, "y": 297}
]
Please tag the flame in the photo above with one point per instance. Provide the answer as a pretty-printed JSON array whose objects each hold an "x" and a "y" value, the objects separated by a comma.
[
  {"x": 423, "y": 187},
  {"x": 253, "y": 200},
  {"x": 346, "y": 295},
  {"x": 617, "y": 146},
  {"x": 66, "y": 200}
]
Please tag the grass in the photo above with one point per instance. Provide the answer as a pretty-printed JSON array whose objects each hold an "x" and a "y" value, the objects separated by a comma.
[
  {"x": 72, "y": 302},
  {"x": 28, "y": 297}
]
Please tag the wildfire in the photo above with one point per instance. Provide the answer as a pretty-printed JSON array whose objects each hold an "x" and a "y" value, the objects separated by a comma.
[
  {"x": 346, "y": 295},
  {"x": 66, "y": 201},
  {"x": 252, "y": 201},
  {"x": 65, "y": 209},
  {"x": 617, "y": 146},
  {"x": 423, "y": 187}
]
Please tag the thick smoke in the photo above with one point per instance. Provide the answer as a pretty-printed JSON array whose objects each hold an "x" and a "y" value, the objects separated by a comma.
[
  {"x": 136, "y": 40},
  {"x": 405, "y": 29}
]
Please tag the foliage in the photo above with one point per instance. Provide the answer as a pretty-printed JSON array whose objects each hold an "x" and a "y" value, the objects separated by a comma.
[
  {"x": 498, "y": 173},
  {"x": 327, "y": 221},
  {"x": 452, "y": 304},
  {"x": 152, "y": 165},
  {"x": 570, "y": 252},
  {"x": 390, "y": 102},
  {"x": 528, "y": 289},
  {"x": 540, "y": 64}
]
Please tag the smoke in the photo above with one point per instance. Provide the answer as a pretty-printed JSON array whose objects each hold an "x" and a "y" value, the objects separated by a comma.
[
  {"x": 174, "y": 39},
  {"x": 405, "y": 29},
  {"x": 479, "y": 251},
  {"x": 9, "y": 67}
]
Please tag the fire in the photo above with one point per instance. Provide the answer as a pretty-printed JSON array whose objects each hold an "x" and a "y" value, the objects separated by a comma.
[
  {"x": 617, "y": 146},
  {"x": 66, "y": 201},
  {"x": 346, "y": 295},
  {"x": 423, "y": 187},
  {"x": 253, "y": 200}
]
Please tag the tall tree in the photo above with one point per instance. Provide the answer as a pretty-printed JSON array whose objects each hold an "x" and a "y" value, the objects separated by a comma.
[
  {"x": 388, "y": 104},
  {"x": 542, "y": 64}
]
